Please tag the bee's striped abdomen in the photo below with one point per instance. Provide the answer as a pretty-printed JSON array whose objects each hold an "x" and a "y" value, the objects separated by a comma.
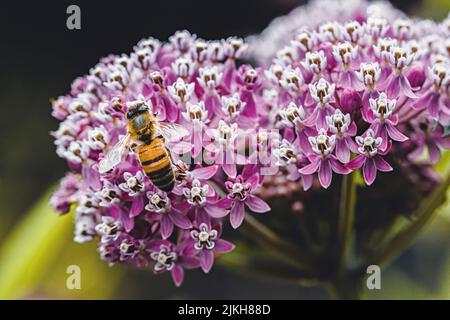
[{"x": 156, "y": 164}]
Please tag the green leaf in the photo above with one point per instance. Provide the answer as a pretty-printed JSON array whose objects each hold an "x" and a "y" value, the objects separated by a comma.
[
  {"x": 35, "y": 255},
  {"x": 30, "y": 249}
]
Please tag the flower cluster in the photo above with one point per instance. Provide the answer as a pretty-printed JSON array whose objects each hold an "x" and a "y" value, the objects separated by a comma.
[
  {"x": 345, "y": 95},
  {"x": 367, "y": 92},
  {"x": 188, "y": 81}
]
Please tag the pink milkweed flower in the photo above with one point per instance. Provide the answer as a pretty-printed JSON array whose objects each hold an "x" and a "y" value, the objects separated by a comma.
[
  {"x": 165, "y": 106},
  {"x": 370, "y": 156},
  {"x": 289, "y": 158},
  {"x": 369, "y": 74},
  {"x": 346, "y": 54},
  {"x": 248, "y": 80},
  {"x": 294, "y": 117},
  {"x": 431, "y": 135},
  {"x": 223, "y": 147},
  {"x": 322, "y": 160},
  {"x": 232, "y": 106},
  {"x": 292, "y": 81},
  {"x": 321, "y": 92},
  {"x": 182, "y": 40},
  {"x": 134, "y": 187},
  {"x": 206, "y": 242},
  {"x": 385, "y": 121},
  {"x": 167, "y": 214},
  {"x": 209, "y": 79},
  {"x": 181, "y": 92},
  {"x": 343, "y": 128},
  {"x": 397, "y": 84},
  {"x": 436, "y": 98},
  {"x": 304, "y": 40},
  {"x": 315, "y": 63},
  {"x": 62, "y": 199},
  {"x": 173, "y": 258},
  {"x": 197, "y": 115},
  {"x": 240, "y": 195},
  {"x": 203, "y": 198}
]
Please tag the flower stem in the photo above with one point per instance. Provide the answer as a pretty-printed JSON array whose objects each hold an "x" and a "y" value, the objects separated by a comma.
[
  {"x": 277, "y": 245},
  {"x": 347, "y": 207},
  {"x": 424, "y": 214}
]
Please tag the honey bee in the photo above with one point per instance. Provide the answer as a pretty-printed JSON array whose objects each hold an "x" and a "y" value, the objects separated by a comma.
[{"x": 151, "y": 138}]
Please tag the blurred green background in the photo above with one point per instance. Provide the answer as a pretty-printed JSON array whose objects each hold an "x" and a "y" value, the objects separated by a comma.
[{"x": 39, "y": 60}]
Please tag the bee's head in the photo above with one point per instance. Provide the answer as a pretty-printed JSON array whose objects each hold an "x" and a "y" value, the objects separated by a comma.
[{"x": 137, "y": 108}]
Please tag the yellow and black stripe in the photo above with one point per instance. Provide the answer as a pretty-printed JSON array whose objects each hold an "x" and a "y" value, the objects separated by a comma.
[{"x": 156, "y": 164}]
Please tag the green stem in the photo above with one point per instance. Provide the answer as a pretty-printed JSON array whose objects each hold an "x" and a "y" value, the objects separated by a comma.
[
  {"x": 424, "y": 214},
  {"x": 347, "y": 208},
  {"x": 278, "y": 246}
]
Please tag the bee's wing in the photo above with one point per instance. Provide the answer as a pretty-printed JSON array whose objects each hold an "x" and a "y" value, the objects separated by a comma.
[
  {"x": 171, "y": 132},
  {"x": 115, "y": 155}
]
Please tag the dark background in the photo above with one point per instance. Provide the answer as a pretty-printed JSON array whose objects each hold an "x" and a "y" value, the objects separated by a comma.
[{"x": 40, "y": 57}]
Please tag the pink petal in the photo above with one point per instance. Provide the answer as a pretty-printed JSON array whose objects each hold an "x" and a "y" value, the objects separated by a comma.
[
  {"x": 405, "y": 88},
  {"x": 382, "y": 164},
  {"x": 307, "y": 182},
  {"x": 166, "y": 226},
  {"x": 393, "y": 87},
  {"x": 137, "y": 206},
  {"x": 177, "y": 274},
  {"x": 305, "y": 146},
  {"x": 444, "y": 142},
  {"x": 310, "y": 168},
  {"x": 171, "y": 108},
  {"x": 180, "y": 220},
  {"x": 369, "y": 171},
  {"x": 201, "y": 216},
  {"x": 237, "y": 214},
  {"x": 189, "y": 262},
  {"x": 91, "y": 178},
  {"x": 256, "y": 204},
  {"x": 311, "y": 120},
  {"x": 254, "y": 181},
  {"x": 433, "y": 106},
  {"x": 338, "y": 167},
  {"x": 325, "y": 174},
  {"x": 215, "y": 211},
  {"x": 250, "y": 106},
  {"x": 342, "y": 151},
  {"x": 394, "y": 133},
  {"x": 321, "y": 121},
  {"x": 434, "y": 152},
  {"x": 197, "y": 140},
  {"x": 206, "y": 260},
  {"x": 205, "y": 173},
  {"x": 223, "y": 246},
  {"x": 230, "y": 170},
  {"x": 356, "y": 162},
  {"x": 224, "y": 203},
  {"x": 127, "y": 221},
  {"x": 416, "y": 152}
]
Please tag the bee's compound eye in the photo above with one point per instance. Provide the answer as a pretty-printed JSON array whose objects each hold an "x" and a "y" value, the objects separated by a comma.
[{"x": 130, "y": 114}]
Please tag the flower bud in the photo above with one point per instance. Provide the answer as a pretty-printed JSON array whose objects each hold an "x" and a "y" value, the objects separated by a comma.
[
  {"x": 350, "y": 100},
  {"x": 416, "y": 76}
]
